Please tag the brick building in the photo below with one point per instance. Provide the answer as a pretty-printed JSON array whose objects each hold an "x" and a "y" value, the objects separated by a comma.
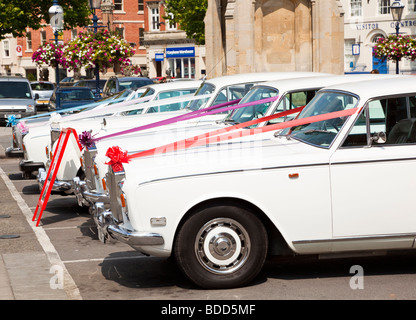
[
  {"x": 169, "y": 51},
  {"x": 161, "y": 47}
]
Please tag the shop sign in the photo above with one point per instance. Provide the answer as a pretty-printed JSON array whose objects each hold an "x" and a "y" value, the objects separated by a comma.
[
  {"x": 159, "y": 57},
  {"x": 19, "y": 50},
  {"x": 406, "y": 23},
  {"x": 366, "y": 26},
  {"x": 355, "y": 49},
  {"x": 183, "y": 52}
]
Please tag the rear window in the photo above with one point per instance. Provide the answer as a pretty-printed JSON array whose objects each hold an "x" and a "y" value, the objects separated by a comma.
[
  {"x": 15, "y": 90},
  {"x": 74, "y": 95},
  {"x": 42, "y": 86},
  {"x": 134, "y": 84}
]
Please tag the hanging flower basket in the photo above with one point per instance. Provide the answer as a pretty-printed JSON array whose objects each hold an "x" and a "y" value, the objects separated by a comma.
[
  {"x": 395, "y": 48},
  {"x": 102, "y": 48},
  {"x": 50, "y": 54},
  {"x": 129, "y": 70}
]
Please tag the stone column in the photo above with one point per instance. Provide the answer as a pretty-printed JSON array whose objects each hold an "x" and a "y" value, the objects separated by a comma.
[
  {"x": 244, "y": 37},
  {"x": 107, "y": 8},
  {"x": 303, "y": 36},
  {"x": 214, "y": 44},
  {"x": 230, "y": 38},
  {"x": 328, "y": 36}
]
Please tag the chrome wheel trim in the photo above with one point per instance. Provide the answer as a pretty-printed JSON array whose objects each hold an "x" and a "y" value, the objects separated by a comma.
[{"x": 222, "y": 246}]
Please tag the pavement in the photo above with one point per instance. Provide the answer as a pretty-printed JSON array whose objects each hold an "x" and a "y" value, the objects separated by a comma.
[{"x": 30, "y": 267}]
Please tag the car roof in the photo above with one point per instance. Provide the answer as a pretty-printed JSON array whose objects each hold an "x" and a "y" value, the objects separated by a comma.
[
  {"x": 378, "y": 88},
  {"x": 133, "y": 78},
  {"x": 90, "y": 80},
  {"x": 11, "y": 78},
  {"x": 173, "y": 85},
  {"x": 41, "y": 82},
  {"x": 260, "y": 76},
  {"x": 286, "y": 85},
  {"x": 73, "y": 88}
]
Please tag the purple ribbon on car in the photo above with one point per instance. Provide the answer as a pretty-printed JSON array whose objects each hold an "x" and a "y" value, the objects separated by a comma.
[{"x": 194, "y": 114}]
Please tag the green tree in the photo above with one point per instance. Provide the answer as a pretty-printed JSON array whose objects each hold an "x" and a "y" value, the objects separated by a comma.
[
  {"x": 17, "y": 15},
  {"x": 189, "y": 14}
]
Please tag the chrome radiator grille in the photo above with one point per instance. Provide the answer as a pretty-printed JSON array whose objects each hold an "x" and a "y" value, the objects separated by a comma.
[{"x": 114, "y": 181}]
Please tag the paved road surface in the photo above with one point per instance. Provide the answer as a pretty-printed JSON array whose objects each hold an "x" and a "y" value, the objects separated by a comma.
[{"x": 66, "y": 247}]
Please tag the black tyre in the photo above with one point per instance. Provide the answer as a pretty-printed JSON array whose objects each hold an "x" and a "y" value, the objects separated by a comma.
[{"x": 221, "y": 247}]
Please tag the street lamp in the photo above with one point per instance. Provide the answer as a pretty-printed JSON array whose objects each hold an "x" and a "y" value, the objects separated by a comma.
[
  {"x": 94, "y": 5},
  {"x": 56, "y": 15},
  {"x": 396, "y": 9}
]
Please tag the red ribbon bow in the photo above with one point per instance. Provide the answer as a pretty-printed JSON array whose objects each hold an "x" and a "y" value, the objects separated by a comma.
[{"x": 117, "y": 158}]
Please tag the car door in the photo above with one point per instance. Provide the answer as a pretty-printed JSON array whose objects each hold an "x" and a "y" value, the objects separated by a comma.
[{"x": 373, "y": 184}]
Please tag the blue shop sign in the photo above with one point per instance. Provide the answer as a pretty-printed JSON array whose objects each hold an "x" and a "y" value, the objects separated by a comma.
[
  {"x": 159, "y": 57},
  {"x": 183, "y": 52}
]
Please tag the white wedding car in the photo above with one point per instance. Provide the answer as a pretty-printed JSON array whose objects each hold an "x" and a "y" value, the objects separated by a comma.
[
  {"x": 38, "y": 136},
  {"x": 289, "y": 94},
  {"x": 221, "y": 209},
  {"x": 211, "y": 93}
]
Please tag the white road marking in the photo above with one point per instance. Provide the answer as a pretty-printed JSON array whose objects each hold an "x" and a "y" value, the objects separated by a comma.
[
  {"x": 70, "y": 287},
  {"x": 102, "y": 259}
]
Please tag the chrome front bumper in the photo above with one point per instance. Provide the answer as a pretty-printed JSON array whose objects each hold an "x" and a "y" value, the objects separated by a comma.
[
  {"x": 86, "y": 197},
  {"x": 108, "y": 227},
  {"x": 58, "y": 186},
  {"x": 12, "y": 152}
]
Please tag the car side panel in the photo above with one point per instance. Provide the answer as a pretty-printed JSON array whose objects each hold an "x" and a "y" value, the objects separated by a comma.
[{"x": 297, "y": 200}]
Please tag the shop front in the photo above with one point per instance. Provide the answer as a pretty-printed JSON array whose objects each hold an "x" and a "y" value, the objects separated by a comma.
[
  {"x": 181, "y": 62},
  {"x": 187, "y": 62}
]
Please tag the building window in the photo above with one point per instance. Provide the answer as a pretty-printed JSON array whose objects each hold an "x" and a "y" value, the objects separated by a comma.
[
  {"x": 43, "y": 37},
  {"x": 376, "y": 37},
  {"x": 182, "y": 67},
  {"x": 412, "y": 6},
  {"x": 348, "y": 57},
  {"x": 141, "y": 5},
  {"x": 171, "y": 25},
  {"x": 118, "y": 5},
  {"x": 356, "y": 8},
  {"x": 120, "y": 32},
  {"x": 6, "y": 48},
  {"x": 29, "y": 41},
  {"x": 384, "y": 6},
  {"x": 154, "y": 19},
  {"x": 73, "y": 34},
  {"x": 141, "y": 36}
]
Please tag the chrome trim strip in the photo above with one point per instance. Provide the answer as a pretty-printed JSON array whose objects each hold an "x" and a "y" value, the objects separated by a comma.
[
  {"x": 357, "y": 238},
  {"x": 378, "y": 160},
  {"x": 236, "y": 171},
  {"x": 356, "y": 244}
]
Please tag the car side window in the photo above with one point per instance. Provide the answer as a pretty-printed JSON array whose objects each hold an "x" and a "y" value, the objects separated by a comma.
[
  {"x": 133, "y": 112},
  {"x": 112, "y": 86},
  {"x": 388, "y": 123},
  {"x": 232, "y": 92},
  {"x": 290, "y": 101},
  {"x": 412, "y": 106}
]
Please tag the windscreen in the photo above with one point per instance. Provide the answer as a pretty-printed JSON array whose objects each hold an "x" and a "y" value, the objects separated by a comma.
[
  {"x": 255, "y": 111},
  {"x": 205, "y": 88},
  {"x": 15, "y": 90},
  {"x": 322, "y": 133}
]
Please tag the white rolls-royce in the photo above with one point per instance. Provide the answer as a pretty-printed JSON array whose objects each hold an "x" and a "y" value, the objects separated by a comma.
[{"x": 221, "y": 208}]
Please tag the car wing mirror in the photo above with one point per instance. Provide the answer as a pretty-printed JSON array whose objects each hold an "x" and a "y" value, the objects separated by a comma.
[
  {"x": 36, "y": 96},
  {"x": 378, "y": 138}
]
